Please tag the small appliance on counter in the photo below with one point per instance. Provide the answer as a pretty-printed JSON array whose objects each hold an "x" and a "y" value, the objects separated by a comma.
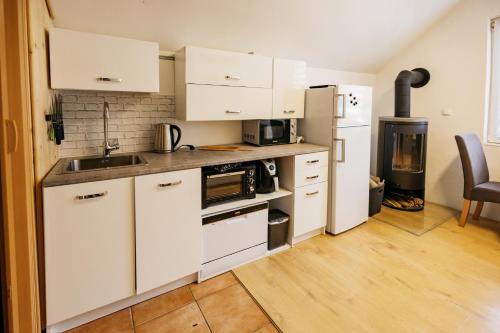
[
  {"x": 270, "y": 132},
  {"x": 277, "y": 229},
  {"x": 227, "y": 182},
  {"x": 164, "y": 138},
  {"x": 267, "y": 176}
]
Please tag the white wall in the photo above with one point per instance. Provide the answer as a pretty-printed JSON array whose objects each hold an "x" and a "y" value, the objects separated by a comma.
[
  {"x": 454, "y": 51},
  {"x": 349, "y": 35},
  {"x": 321, "y": 76}
]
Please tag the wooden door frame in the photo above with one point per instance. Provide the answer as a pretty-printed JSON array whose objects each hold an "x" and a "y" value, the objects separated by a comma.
[{"x": 16, "y": 170}]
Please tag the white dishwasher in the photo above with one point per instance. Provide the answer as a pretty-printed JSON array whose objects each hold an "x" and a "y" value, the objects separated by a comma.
[{"x": 232, "y": 238}]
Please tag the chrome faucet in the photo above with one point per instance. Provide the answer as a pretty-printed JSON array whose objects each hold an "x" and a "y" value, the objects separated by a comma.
[{"x": 107, "y": 147}]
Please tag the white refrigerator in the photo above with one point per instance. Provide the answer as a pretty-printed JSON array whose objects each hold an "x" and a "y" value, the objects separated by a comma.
[{"x": 340, "y": 117}]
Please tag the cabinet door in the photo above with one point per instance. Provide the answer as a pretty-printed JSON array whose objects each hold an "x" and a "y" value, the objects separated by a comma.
[
  {"x": 168, "y": 227},
  {"x": 89, "y": 246},
  {"x": 86, "y": 61},
  {"x": 289, "y": 81},
  {"x": 205, "y": 102},
  {"x": 208, "y": 66},
  {"x": 310, "y": 211}
]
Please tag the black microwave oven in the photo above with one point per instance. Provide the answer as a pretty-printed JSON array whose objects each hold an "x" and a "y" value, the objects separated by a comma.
[
  {"x": 227, "y": 182},
  {"x": 270, "y": 132}
]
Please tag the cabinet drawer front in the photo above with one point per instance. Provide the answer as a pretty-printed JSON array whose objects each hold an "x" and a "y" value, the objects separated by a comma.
[
  {"x": 168, "y": 227},
  {"x": 311, "y": 204},
  {"x": 308, "y": 176},
  {"x": 89, "y": 246},
  {"x": 205, "y": 102},
  {"x": 310, "y": 163},
  {"x": 208, "y": 66},
  {"x": 88, "y": 61},
  {"x": 228, "y": 236}
]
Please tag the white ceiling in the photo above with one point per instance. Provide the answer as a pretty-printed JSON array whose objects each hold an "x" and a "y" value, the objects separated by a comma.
[{"x": 352, "y": 35}]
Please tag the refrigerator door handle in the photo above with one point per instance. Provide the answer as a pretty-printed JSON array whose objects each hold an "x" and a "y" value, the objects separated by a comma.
[
  {"x": 342, "y": 159},
  {"x": 344, "y": 105}
]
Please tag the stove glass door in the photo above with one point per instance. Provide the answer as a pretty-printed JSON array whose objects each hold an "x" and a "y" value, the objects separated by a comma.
[{"x": 408, "y": 153}]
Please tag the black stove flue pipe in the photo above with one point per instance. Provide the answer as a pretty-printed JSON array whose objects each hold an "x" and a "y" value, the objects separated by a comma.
[{"x": 406, "y": 80}]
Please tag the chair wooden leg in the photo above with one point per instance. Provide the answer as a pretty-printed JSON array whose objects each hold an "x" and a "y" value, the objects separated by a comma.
[
  {"x": 465, "y": 213},
  {"x": 477, "y": 212}
]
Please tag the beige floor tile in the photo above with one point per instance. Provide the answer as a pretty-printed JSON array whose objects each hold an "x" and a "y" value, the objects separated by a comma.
[
  {"x": 161, "y": 305},
  {"x": 118, "y": 322},
  {"x": 232, "y": 310},
  {"x": 184, "y": 320},
  {"x": 214, "y": 284},
  {"x": 269, "y": 328}
]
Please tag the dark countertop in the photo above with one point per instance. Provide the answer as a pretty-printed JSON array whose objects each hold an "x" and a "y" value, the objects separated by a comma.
[{"x": 180, "y": 160}]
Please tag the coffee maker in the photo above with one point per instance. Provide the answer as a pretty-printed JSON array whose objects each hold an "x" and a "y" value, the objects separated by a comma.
[{"x": 267, "y": 176}]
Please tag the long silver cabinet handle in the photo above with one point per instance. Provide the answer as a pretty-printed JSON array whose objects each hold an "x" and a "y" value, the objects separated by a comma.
[
  {"x": 233, "y": 111},
  {"x": 170, "y": 184},
  {"x": 312, "y": 177},
  {"x": 232, "y": 77},
  {"x": 109, "y": 79},
  {"x": 344, "y": 105},
  {"x": 90, "y": 196},
  {"x": 312, "y": 193},
  {"x": 342, "y": 159},
  {"x": 288, "y": 111},
  {"x": 312, "y": 161}
]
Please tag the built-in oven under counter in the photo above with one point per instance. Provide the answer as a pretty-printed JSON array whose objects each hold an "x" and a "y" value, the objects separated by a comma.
[{"x": 232, "y": 238}]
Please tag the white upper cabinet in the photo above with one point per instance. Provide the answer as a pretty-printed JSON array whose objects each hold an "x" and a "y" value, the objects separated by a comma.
[
  {"x": 219, "y": 85},
  {"x": 227, "y": 103},
  {"x": 289, "y": 81},
  {"x": 222, "y": 68},
  {"x": 86, "y": 61}
]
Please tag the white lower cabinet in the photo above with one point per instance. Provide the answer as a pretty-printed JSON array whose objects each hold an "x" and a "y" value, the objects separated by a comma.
[
  {"x": 89, "y": 246},
  {"x": 307, "y": 175},
  {"x": 168, "y": 227},
  {"x": 310, "y": 209}
]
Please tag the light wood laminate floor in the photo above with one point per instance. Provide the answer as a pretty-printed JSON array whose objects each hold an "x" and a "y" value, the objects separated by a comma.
[{"x": 378, "y": 278}]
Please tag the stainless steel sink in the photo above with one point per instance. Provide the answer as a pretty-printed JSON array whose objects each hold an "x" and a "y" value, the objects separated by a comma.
[{"x": 85, "y": 164}]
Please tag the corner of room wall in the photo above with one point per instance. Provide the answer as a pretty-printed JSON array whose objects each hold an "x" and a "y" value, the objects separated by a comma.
[{"x": 454, "y": 51}]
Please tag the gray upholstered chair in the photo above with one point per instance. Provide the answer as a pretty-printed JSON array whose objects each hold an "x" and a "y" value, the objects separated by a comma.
[{"x": 477, "y": 185}]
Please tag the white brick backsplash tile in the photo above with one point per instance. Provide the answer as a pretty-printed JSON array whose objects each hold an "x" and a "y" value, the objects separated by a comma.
[
  {"x": 130, "y": 107},
  {"x": 69, "y": 99},
  {"x": 160, "y": 101},
  {"x": 88, "y": 114},
  {"x": 93, "y": 107},
  {"x": 70, "y": 128},
  {"x": 147, "y": 107},
  {"x": 115, "y": 107},
  {"x": 72, "y": 106},
  {"x": 68, "y": 114},
  {"x": 74, "y": 136},
  {"x": 129, "y": 100},
  {"x": 132, "y": 120},
  {"x": 93, "y": 136},
  {"x": 90, "y": 99}
]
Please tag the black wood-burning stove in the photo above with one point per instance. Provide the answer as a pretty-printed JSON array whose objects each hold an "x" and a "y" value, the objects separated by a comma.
[{"x": 402, "y": 147}]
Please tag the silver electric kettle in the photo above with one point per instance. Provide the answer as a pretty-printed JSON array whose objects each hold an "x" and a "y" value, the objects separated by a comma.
[{"x": 164, "y": 138}]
